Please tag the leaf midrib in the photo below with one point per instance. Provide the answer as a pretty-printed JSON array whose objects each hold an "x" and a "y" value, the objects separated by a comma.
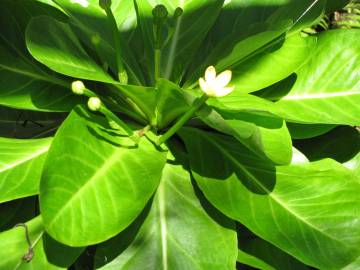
[
  {"x": 36, "y": 154},
  {"x": 271, "y": 194}
]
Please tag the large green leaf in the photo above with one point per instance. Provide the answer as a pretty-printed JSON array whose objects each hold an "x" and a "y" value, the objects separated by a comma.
[
  {"x": 94, "y": 182},
  {"x": 54, "y": 44},
  {"x": 274, "y": 64},
  {"x": 178, "y": 233},
  {"x": 23, "y": 82},
  {"x": 309, "y": 210},
  {"x": 264, "y": 135},
  {"x": 21, "y": 163},
  {"x": 327, "y": 87}
]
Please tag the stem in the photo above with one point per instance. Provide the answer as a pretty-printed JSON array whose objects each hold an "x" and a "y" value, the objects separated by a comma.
[
  {"x": 117, "y": 120},
  {"x": 196, "y": 106},
  {"x": 157, "y": 65},
  {"x": 122, "y": 75}
]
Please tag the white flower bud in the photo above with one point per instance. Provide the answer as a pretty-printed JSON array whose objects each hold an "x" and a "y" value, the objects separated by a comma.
[
  {"x": 78, "y": 87},
  {"x": 94, "y": 104}
]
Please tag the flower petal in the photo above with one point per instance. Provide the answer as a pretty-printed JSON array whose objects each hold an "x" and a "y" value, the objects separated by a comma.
[
  {"x": 210, "y": 74},
  {"x": 223, "y": 78},
  {"x": 221, "y": 92}
]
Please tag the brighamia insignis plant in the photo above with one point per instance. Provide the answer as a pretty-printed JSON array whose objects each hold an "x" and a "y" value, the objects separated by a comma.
[{"x": 181, "y": 134}]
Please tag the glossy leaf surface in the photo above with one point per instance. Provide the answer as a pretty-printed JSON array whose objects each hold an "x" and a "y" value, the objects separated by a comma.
[
  {"x": 85, "y": 201},
  {"x": 21, "y": 163},
  {"x": 310, "y": 206},
  {"x": 23, "y": 82},
  {"x": 183, "y": 237},
  {"x": 320, "y": 93},
  {"x": 54, "y": 44}
]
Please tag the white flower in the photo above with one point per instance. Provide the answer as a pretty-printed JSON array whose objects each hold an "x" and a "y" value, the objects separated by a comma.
[
  {"x": 216, "y": 86},
  {"x": 83, "y": 3}
]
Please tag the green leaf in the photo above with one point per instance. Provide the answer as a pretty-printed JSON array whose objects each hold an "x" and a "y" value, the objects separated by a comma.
[
  {"x": 186, "y": 37},
  {"x": 143, "y": 97},
  {"x": 23, "y": 82},
  {"x": 246, "y": 29},
  {"x": 306, "y": 131},
  {"x": 327, "y": 87},
  {"x": 253, "y": 261},
  {"x": 273, "y": 64},
  {"x": 171, "y": 102},
  {"x": 264, "y": 135},
  {"x": 354, "y": 265},
  {"x": 59, "y": 254},
  {"x": 21, "y": 166},
  {"x": 309, "y": 210},
  {"x": 256, "y": 250},
  {"x": 91, "y": 25},
  {"x": 54, "y": 44},
  {"x": 354, "y": 165},
  {"x": 94, "y": 184},
  {"x": 177, "y": 233},
  {"x": 13, "y": 245}
]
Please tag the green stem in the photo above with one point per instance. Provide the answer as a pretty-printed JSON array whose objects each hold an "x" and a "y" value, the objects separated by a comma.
[
  {"x": 157, "y": 65},
  {"x": 122, "y": 75},
  {"x": 186, "y": 117},
  {"x": 111, "y": 116}
]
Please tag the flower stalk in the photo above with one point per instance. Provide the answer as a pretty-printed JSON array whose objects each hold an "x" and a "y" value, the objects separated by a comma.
[
  {"x": 121, "y": 72},
  {"x": 160, "y": 14},
  {"x": 186, "y": 117},
  {"x": 213, "y": 86},
  {"x": 95, "y": 104}
]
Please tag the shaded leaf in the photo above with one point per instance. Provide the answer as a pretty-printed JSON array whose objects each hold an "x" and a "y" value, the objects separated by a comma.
[{"x": 309, "y": 210}]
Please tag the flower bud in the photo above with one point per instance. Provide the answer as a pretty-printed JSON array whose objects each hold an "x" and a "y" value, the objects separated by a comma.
[
  {"x": 178, "y": 12},
  {"x": 105, "y": 4},
  {"x": 160, "y": 14},
  {"x": 94, "y": 104},
  {"x": 78, "y": 87}
]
